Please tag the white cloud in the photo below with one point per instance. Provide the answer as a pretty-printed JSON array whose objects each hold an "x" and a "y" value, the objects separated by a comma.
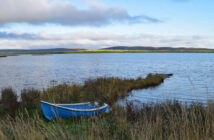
[
  {"x": 94, "y": 40},
  {"x": 64, "y": 12}
]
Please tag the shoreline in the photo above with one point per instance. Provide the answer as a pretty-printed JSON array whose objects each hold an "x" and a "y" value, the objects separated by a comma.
[{"x": 100, "y": 52}]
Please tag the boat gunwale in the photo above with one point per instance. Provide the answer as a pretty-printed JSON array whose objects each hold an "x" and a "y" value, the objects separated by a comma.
[{"x": 79, "y": 110}]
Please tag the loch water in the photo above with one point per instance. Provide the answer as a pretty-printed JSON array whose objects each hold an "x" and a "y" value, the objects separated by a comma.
[{"x": 192, "y": 80}]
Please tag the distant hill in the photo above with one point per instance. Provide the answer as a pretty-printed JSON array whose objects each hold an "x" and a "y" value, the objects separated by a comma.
[
  {"x": 152, "y": 48},
  {"x": 116, "y": 49},
  {"x": 39, "y": 50}
]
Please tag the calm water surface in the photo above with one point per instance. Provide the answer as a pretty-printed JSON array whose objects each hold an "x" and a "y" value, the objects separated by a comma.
[{"x": 192, "y": 81}]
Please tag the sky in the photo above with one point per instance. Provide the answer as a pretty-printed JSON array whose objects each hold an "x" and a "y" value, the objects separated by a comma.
[{"x": 94, "y": 24}]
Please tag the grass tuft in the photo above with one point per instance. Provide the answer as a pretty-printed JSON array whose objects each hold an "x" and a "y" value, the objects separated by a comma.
[{"x": 9, "y": 102}]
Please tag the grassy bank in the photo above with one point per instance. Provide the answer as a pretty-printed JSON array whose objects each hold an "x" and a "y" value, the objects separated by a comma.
[
  {"x": 169, "y": 120},
  {"x": 157, "y": 122}
]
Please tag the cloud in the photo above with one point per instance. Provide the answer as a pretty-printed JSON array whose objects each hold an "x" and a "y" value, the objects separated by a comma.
[
  {"x": 95, "y": 40},
  {"x": 65, "y": 13},
  {"x": 7, "y": 35}
]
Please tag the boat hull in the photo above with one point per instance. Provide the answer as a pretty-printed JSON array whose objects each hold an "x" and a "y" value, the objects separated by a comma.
[{"x": 52, "y": 111}]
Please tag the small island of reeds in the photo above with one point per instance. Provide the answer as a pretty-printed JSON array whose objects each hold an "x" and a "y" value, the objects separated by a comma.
[
  {"x": 3, "y": 56},
  {"x": 170, "y": 120}
]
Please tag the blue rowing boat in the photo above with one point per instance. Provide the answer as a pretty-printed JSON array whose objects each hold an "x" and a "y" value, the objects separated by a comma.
[{"x": 52, "y": 111}]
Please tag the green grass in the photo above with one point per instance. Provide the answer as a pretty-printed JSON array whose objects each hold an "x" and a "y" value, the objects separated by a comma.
[{"x": 170, "y": 120}]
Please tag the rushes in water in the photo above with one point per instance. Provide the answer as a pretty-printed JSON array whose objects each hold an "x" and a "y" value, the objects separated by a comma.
[{"x": 108, "y": 90}]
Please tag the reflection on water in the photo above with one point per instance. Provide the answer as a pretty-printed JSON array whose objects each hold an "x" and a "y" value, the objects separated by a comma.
[{"x": 192, "y": 80}]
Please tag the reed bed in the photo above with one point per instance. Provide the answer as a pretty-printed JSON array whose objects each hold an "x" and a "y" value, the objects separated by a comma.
[{"x": 170, "y": 120}]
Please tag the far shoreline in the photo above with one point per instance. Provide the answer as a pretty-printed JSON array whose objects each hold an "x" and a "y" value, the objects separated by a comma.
[{"x": 102, "y": 51}]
